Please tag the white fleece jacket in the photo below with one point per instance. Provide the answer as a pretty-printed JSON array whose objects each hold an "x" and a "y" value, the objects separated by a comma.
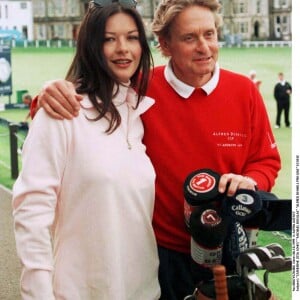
[{"x": 82, "y": 208}]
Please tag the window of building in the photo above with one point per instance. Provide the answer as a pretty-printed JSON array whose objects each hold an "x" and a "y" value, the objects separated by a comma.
[
  {"x": 243, "y": 27},
  {"x": 55, "y": 8},
  {"x": 59, "y": 30},
  {"x": 284, "y": 29},
  {"x": 59, "y": 9},
  {"x": 52, "y": 32},
  {"x": 41, "y": 32},
  {"x": 283, "y": 3},
  {"x": 51, "y": 9},
  {"x": 284, "y": 24},
  {"x": 240, "y": 7},
  {"x": 73, "y": 8},
  {"x": 23, "y": 5},
  {"x": 258, "y": 6},
  {"x": 25, "y": 31},
  {"x": 278, "y": 20},
  {"x": 39, "y": 8}
]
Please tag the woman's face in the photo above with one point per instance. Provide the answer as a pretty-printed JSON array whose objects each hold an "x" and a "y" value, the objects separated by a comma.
[{"x": 122, "y": 48}]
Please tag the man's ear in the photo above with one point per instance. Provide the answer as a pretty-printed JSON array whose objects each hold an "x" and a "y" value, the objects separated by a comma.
[{"x": 164, "y": 46}]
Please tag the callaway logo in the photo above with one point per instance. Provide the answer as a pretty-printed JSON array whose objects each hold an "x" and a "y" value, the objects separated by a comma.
[
  {"x": 210, "y": 217},
  {"x": 202, "y": 183},
  {"x": 241, "y": 210},
  {"x": 245, "y": 199}
]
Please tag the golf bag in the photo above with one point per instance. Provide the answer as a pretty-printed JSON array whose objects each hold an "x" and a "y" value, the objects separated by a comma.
[{"x": 224, "y": 232}]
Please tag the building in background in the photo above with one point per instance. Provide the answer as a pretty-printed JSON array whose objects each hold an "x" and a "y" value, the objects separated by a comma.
[
  {"x": 280, "y": 18},
  {"x": 255, "y": 20},
  {"x": 16, "y": 20},
  {"x": 244, "y": 20},
  {"x": 57, "y": 19}
]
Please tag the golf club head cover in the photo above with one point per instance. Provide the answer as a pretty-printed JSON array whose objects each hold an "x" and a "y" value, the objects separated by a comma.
[
  {"x": 200, "y": 187},
  {"x": 252, "y": 235},
  {"x": 244, "y": 205},
  {"x": 208, "y": 230},
  {"x": 236, "y": 242},
  {"x": 275, "y": 215}
]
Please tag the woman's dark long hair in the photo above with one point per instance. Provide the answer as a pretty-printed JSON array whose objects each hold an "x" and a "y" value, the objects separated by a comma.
[{"x": 89, "y": 69}]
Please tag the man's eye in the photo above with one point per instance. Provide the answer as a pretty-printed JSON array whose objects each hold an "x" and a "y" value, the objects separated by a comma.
[
  {"x": 210, "y": 34},
  {"x": 188, "y": 38}
]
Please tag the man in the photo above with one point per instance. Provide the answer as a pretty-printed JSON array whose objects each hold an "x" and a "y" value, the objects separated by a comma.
[
  {"x": 253, "y": 77},
  {"x": 282, "y": 92},
  {"x": 198, "y": 121}
]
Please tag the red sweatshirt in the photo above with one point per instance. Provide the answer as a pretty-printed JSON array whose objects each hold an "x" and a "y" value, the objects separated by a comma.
[{"x": 227, "y": 131}]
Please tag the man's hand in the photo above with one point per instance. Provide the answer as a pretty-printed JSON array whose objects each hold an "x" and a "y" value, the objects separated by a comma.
[
  {"x": 59, "y": 99},
  {"x": 233, "y": 182}
]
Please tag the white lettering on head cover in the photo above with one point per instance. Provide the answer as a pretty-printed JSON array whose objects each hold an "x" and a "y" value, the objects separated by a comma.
[
  {"x": 245, "y": 199},
  {"x": 241, "y": 208}
]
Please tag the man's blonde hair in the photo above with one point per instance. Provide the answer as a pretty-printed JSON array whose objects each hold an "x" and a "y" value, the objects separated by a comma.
[{"x": 167, "y": 11}]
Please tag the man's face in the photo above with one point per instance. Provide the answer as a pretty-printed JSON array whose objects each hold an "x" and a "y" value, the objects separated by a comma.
[
  {"x": 193, "y": 45},
  {"x": 280, "y": 76}
]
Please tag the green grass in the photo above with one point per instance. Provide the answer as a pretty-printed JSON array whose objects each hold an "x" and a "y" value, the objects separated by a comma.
[
  {"x": 12, "y": 115},
  {"x": 32, "y": 67}
]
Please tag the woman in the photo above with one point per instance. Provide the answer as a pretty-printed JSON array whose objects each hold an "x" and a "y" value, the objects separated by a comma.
[{"x": 83, "y": 202}]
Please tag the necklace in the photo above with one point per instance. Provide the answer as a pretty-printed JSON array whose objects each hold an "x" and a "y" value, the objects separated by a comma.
[{"x": 127, "y": 128}]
